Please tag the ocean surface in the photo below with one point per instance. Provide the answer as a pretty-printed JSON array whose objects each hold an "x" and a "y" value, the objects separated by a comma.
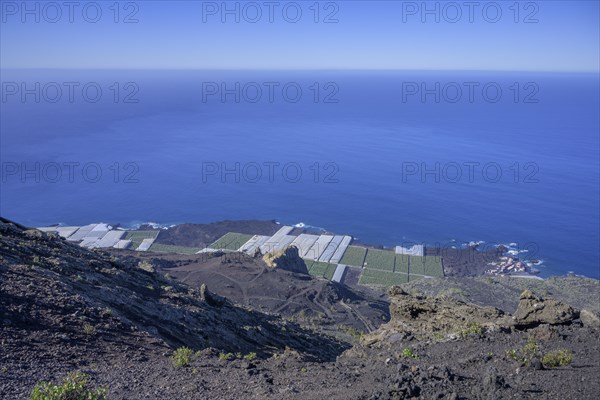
[{"x": 442, "y": 158}]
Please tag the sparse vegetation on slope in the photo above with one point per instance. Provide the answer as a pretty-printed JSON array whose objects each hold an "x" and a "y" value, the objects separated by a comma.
[
  {"x": 73, "y": 387},
  {"x": 558, "y": 358},
  {"x": 180, "y": 341},
  {"x": 182, "y": 357}
]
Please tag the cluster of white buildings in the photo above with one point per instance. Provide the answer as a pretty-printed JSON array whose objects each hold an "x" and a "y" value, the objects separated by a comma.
[
  {"x": 415, "y": 250},
  {"x": 507, "y": 266}
]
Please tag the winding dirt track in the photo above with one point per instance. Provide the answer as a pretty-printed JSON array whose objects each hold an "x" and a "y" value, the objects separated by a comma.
[
  {"x": 368, "y": 326},
  {"x": 282, "y": 292}
]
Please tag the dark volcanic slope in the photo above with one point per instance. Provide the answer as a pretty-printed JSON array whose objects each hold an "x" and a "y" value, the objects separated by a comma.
[
  {"x": 201, "y": 235},
  {"x": 503, "y": 292},
  {"x": 63, "y": 309},
  {"x": 59, "y": 301},
  {"x": 466, "y": 262},
  {"x": 443, "y": 348},
  {"x": 248, "y": 281}
]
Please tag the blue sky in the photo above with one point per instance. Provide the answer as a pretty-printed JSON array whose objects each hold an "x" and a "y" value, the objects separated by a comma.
[{"x": 368, "y": 35}]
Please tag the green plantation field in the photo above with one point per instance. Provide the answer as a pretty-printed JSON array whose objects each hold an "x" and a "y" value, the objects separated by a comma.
[
  {"x": 419, "y": 268},
  {"x": 354, "y": 256},
  {"x": 231, "y": 241},
  {"x": 417, "y": 265},
  {"x": 382, "y": 278},
  {"x": 401, "y": 263},
  {"x": 223, "y": 241},
  {"x": 428, "y": 265},
  {"x": 433, "y": 266},
  {"x": 380, "y": 259},
  {"x": 316, "y": 268},
  {"x": 136, "y": 237},
  {"x": 320, "y": 269},
  {"x": 167, "y": 248},
  {"x": 328, "y": 274}
]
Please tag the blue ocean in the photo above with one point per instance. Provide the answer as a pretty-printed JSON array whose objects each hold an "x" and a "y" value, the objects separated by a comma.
[{"x": 390, "y": 157}]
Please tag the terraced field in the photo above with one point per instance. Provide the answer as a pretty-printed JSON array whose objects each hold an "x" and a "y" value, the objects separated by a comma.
[
  {"x": 382, "y": 278},
  {"x": 401, "y": 263},
  {"x": 136, "y": 237},
  {"x": 380, "y": 259},
  {"x": 328, "y": 274},
  {"x": 354, "y": 256},
  {"x": 419, "y": 268},
  {"x": 321, "y": 269},
  {"x": 167, "y": 248},
  {"x": 231, "y": 241},
  {"x": 433, "y": 266},
  {"x": 428, "y": 265},
  {"x": 417, "y": 265}
]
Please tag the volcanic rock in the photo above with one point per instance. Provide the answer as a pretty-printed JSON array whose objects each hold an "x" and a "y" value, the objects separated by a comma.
[
  {"x": 534, "y": 311},
  {"x": 287, "y": 259},
  {"x": 589, "y": 318}
]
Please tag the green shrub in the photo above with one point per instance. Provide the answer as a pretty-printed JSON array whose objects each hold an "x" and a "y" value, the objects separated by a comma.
[
  {"x": 73, "y": 387},
  {"x": 438, "y": 337},
  {"x": 473, "y": 328},
  {"x": 531, "y": 348},
  {"x": 526, "y": 353},
  {"x": 558, "y": 358},
  {"x": 89, "y": 329},
  {"x": 182, "y": 357},
  {"x": 226, "y": 356},
  {"x": 512, "y": 353},
  {"x": 408, "y": 353},
  {"x": 250, "y": 356}
]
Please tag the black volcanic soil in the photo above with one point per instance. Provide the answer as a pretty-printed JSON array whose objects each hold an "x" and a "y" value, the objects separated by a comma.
[
  {"x": 466, "y": 262},
  {"x": 245, "y": 280},
  {"x": 62, "y": 305},
  {"x": 201, "y": 235},
  {"x": 66, "y": 309},
  {"x": 503, "y": 291},
  {"x": 472, "y": 368}
]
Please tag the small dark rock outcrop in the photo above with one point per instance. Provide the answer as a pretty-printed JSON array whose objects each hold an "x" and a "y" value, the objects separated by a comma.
[
  {"x": 413, "y": 382},
  {"x": 492, "y": 382},
  {"x": 534, "y": 311},
  {"x": 211, "y": 298}
]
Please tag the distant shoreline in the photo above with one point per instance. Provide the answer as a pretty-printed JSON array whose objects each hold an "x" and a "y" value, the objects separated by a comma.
[{"x": 467, "y": 260}]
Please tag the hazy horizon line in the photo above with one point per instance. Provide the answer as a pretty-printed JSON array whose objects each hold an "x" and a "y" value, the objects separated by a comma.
[{"x": 301, "y": 69}]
